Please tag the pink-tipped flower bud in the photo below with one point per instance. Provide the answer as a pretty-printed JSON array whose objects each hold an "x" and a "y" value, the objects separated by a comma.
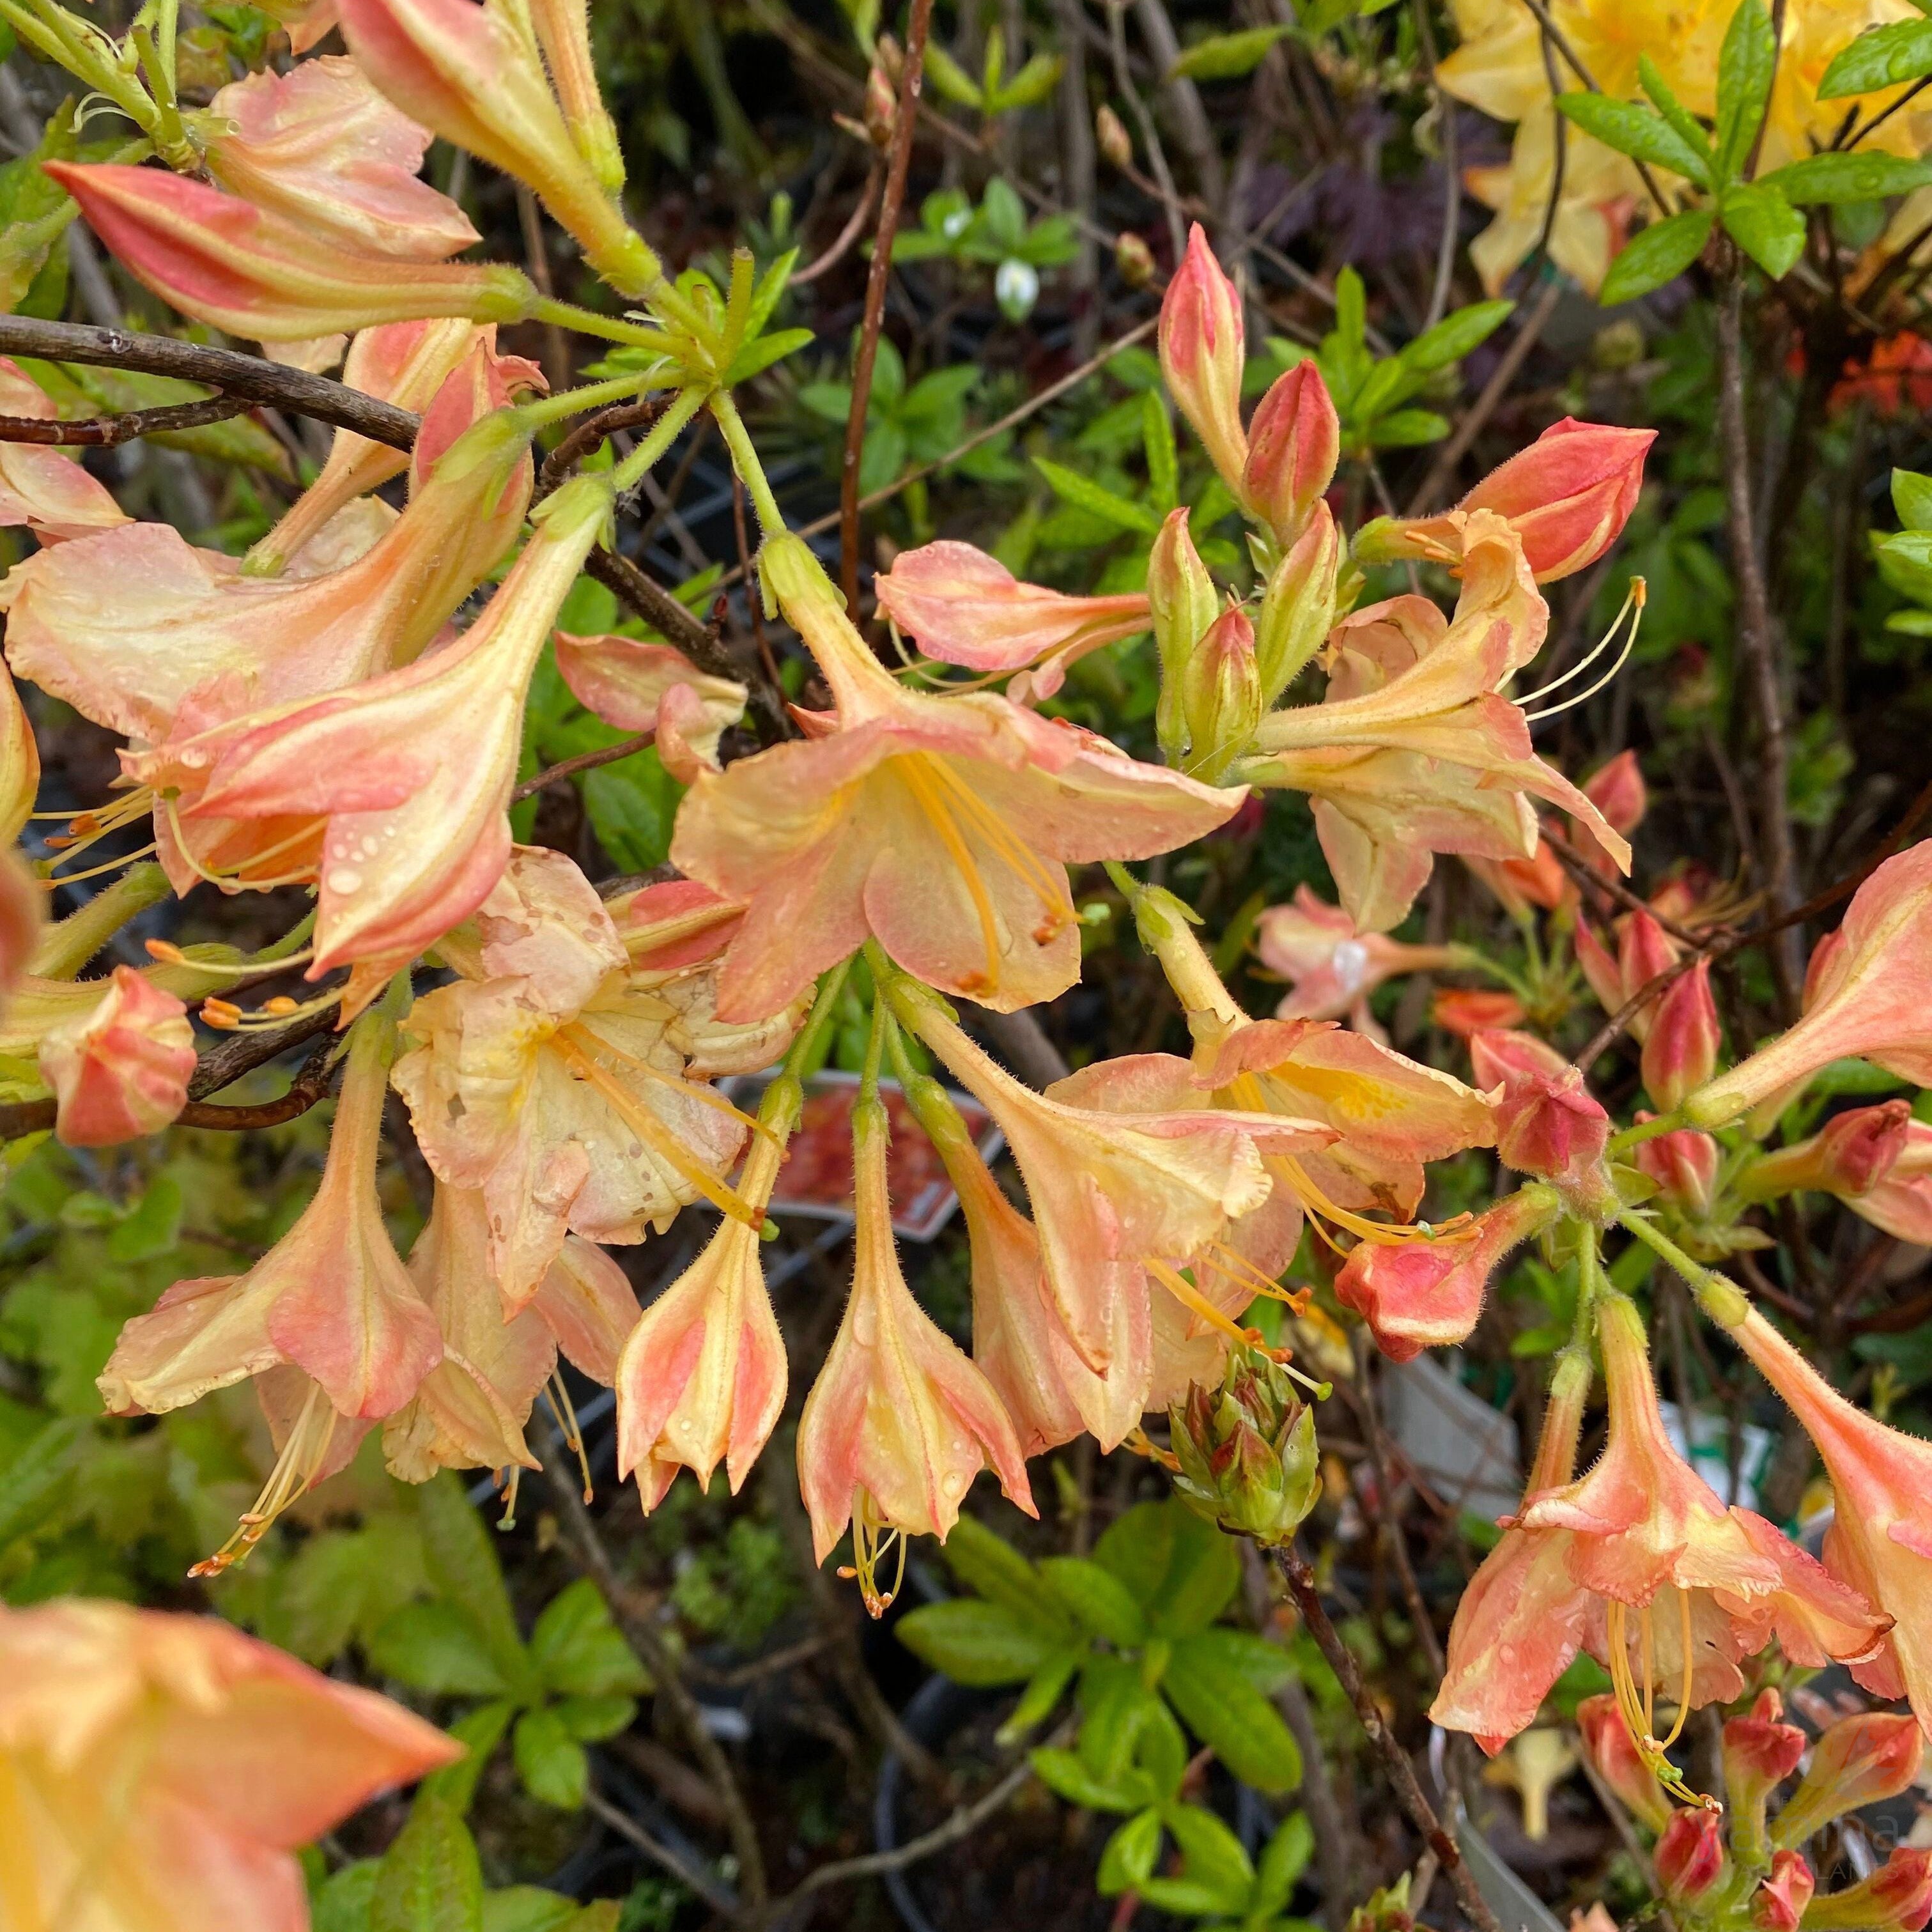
[
  {"x": 1110, "y": 136},
  {"x": 1848, "y": 1156},
  {"x": 1293, "y": 444},
  {"x": 1645, "y": 951},
  {"x": 1760, "y": 1752},
  {"x": 1783, "y": 1894},
  {"x": 1617, "y": 790},
  {"x": 1680, "y": 1051},
  {"x": 1601, "y": 972},
  {"x": 1466, "y": 1011},
  {"x": 1221, "y": 695},
  {"x": 1897, "y": 1897},
  {"x": 1183, "y": 605},
  {"x": 1203, "y": 344},
  {"x": 1569, "y": 494},
  {"x": 1133, "y": 260},
  {"x": 882, "y": 106},
  {"x": 1612, "y": 1752},
  {"x": 1858, "y": 1761},
  {"x": 1298, "y": 606},
  {"x": 1690, "y": 1854},
  {"x": 121, "y": 1070},
  {"x": 1428, "y": 1294},
  {"x": 1547, "y": 1123},
  {"x": 1683, "y": 1165}
]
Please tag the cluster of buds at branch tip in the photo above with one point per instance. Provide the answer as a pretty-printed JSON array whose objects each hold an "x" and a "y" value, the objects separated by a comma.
[{"x": 1245, "y": 1452}]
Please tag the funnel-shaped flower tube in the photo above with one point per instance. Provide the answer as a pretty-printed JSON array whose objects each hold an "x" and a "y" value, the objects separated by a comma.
[
  {"x": 964, "y": 608},
  {"x": 1879, "y": 1541},
  {"x": 1614, "y": 1756},
  {"x": 331, "y": 1297},
  {"x": 410, "y": 771},
  {"x": 254, "y": 273},
  {"x": 122, "y": 1070},
  {"x": 20, "y": 772},
  {"x": 1866, "y": 996},
  {"x": 1854, "y": 1153},
  {"x": 408, "y": 363},
  {"x": 1567, "y": 496},
  {"x": 563, "y": 32},
  {"x": 1414, "y": 751},
  {"x": 702, "y": 1378},
  {"x": 941, "y": 827},
  {"x": 474, "y": 75},
  {"x": 163, "y": 1770},
  {"x": 44, "y": 489},
  {"x": 1202, "y": 340},
  {"x": 1897, "y": 1897},
  {"x": 319, "y": 146},
  {"x": 1784, "y": 1895},
  {"x": 639, "y": 686},
  {"x": 900, "y": 1421},
  {"x": 1856, "y": 1762}
]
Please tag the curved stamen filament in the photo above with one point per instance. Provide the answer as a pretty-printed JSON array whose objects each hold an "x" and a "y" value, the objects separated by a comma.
[
  {"x": 1596, "y": 651},
  {"x": 1633, "y": 604},
  {"x": 227, "y": 1017},
  {"x": 692, "y": 1090},
  {"x": 1198, "y": 1305},
  {"x": 54, "y": 881},
  {"x": 296, "y": 1470},
  {"x": 1045, "y": 879},
  {"x": 932, "y": 802},
  {"x": 658, "y": 1138},
  {"x": 1638, "y": 1707},
  {"x": 561, "y": 1406}
]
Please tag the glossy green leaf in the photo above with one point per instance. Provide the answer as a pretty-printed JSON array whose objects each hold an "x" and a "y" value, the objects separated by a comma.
[
  {"x": 1844, "y": 178},
  {"x": 464, "y": 1569},
  {"x": 1097, "y": 1600},
  {"x": 1455, "y": 335},
  {"x": 1225, "y": 1711},
  {"x": 479, "y": 1732},
  {"x": 1226, "y": 56},
  {"x": 1657, "y": 254},
  {"x": 977, "y": 1642},
  {"x": 1085, "y": 494},
  {"x": 1765, "y": 226},
  {"x": 1638, "y": 131},
  {"x": 1128, "y": 1857},
  {"x": 1284, "y": 1858},
  {"x": 1746, "y": 63},
  {"x": 1880, "y": 57},
  {"x": 1912, "y": 498}
]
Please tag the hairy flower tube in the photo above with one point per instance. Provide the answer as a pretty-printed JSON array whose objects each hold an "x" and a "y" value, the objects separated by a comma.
[{"x": 941, "y": 827}]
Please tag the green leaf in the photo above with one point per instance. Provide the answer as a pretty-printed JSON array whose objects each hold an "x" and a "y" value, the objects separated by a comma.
[
  {"x": 1672, "y": 109},
  {"x": 977, "y": 1642},
  {"x": 1225, "y": 56},
  {"x": 1178, "y": 1567},
  {"x": 154, "y": 1226},
  {"x": 1455, "y": 335},
  {"x": 1067, "y": 1776},
  {"x": 430, "y": 1879},
  {"x": 989, "y": 1565},
  {"x": 1162, "y": 460},
  {"x": 1406, "y": 429},
  {"x": 578, "y": 1650},
  {"x": 1213, "y": 1855},
  {"x": 346, "y": 1896},
  {"x": 1746, "y": 63},
  {"x": 1912, "y": 498},
  {"x": 1127, "y": 1858},
  {"x": 480, "y": 1732},
  {"x": 1266, "y": 1666},
  {"x": 436, "y": 1647},
  {"x": 949, "y": 79},
  {"x": 1044, "y": 1690},
  {"x": 757, "y": 357},
  {"x": 1842, "y": 178},
  {"x": 1636, "y": 131},
  {"x": 550, "y": 1761},
  {"x": 1284, "y": 1858},
  {"x": 632, "y": 806},
  {"x": 1658, "y": 254},
  {"x": 529, "y": 1908},
  {"x": 1085, "y": 494},
  {"x": 1352, "y": 310},
  {"x": 37, "y": 1480},
  {"x": 1099, "y": 1600},
  {"x": 1226, "y": 1712},
  {"x": 463, "y": 1569},
  {"x": 1029, "y": 86},
  {"x": 1880, "y": 57},
  {"x": 1765, "y": 226}
]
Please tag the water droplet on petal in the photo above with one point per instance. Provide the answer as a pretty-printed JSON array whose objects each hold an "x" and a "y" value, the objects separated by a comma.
[{"x": 342, "y": 879}]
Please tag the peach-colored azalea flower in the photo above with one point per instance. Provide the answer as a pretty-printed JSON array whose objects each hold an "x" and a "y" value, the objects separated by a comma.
[
  {"x": 1567, "y": 497},
  {"x": 1684, "y": 1164},
  {"x": 940, "y": 825},
  {"x": 474, "y": 75},
  {"x": 409, "y": 363},
  {"x": 964, "y": 608},
  {"x": 1414, "y": 750},
  {"x": 1865, "y": 997},
  {"x": 1129, "y": 1174},
  {"x": 1858, "y": 1761},
  {"x": 42, "y": 488},
  {"x": 122, "y": 1071},
  {"x": 1853, "y": 1154},
  {"x": 22, "y": 910},
  {"x": 1897, "y": 1897},
  {"x": 1878, "y": 1541},
  {"x": 702, "y": 1378},
  {"x": 331, "y": 1297},
  {"x": 899, "y": 1421},
  {"x": 1331, "y": 969},
  {"x": 255, "y": 273},
  {"x": 638, "y": 686},
  {"x": 557, "y": 1077},
  {"x": 320, "y": 146},
  {"x": 161, "y": 1770},
  {"x": 406, "y": 778},
  {"x": 1428, "y": 1294}
]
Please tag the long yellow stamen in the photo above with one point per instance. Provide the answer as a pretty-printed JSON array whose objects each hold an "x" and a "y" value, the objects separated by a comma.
[
  {"x": 1637, "y": 1709},
  {"x": 873, "y": 1537},
  {"x": 932, "y": 802},
  {"x": 1197, "y": 1304},
  {"x": 295, "y": 1470},
  {"x": 305, "y": 875},
  {"x": 54, "y": 881},
  {"x": 1045, "y": 881},
  {"x": 692, "y": 1090},
  {"x": 659, "y": 1139},
  {"x": 565, "y": 1410}
]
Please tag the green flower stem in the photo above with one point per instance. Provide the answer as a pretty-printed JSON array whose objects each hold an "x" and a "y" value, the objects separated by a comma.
[
  {"x": 1644, "y": 1130},
  {"x": 810, "y": 1036},
  {"x": 744, "y": 460},
  {"x": 1722, "y": 1300},
  {"x": 542, "y": 410},
  {"x": 1591, "y": 1282},
  {"x": 884, "y": 1029},
  {"x": 588, "y": 322},
  {"x": 657, "y": 438}
]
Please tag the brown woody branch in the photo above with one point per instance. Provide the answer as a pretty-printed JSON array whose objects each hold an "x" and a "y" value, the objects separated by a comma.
[{"x": 110, "y": 432}]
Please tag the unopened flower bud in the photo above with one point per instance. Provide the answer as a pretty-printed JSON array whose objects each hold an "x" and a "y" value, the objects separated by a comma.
[
  {"x": 1133, "y": 259},
  {"x": 1645, "y": 951},
  {"x": 1782, "y": 1897},
  {"x": 1848, "y": 1156},
  {"x": 1111, "y": 137},
  {"x": 1202, "y": 353},
  {"x": 1680, "y": 1051},
  {"x": 1547, "y": 1123},
  {"x": 882, "y": 105},
  {"x": 1221, "y": 695},
  {"x": 1760, "y": 1752},
  {"x": 1249, "y": 1459},
  {"x": 1897, "y": 1897},
  {"x": 1690, "y": 1854},
  {"x": 563, "y": 32},
  {"x": 1617, "y": 790},
  {"x": 1298, "y": 606},
  {"x": 1293, "y": 444},
  {"x": 1683, "y": 1165},
  {"x": 122, "y": 1070},
  {"x": 1614, "y": 1756},
  {"x": 1181, "y": 600},
  {"x": 1858, "y": 1761}
]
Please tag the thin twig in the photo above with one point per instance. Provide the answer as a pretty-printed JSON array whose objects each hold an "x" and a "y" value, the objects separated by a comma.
[
  {"x": 1452, "y": 175},
  {"x": 701, "y": 1882},
  {"x": 891, "y": 200},
  {"x": 843, "y": 242},
  {"x": 1438, "y": 1836},
  {"x": 110, "y": 432},
  {"x": 584, "y": 761},
  {"x": 587, "y": 434}
]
